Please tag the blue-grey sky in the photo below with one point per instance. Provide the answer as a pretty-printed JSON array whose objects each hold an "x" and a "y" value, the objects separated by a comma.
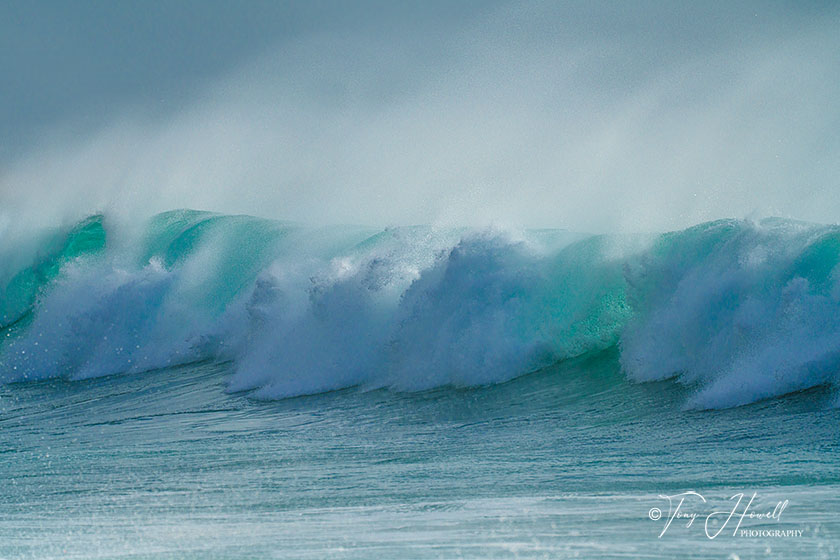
[
  {"x": 73, "y": 60},
  {"x": 588, "y": 115}
]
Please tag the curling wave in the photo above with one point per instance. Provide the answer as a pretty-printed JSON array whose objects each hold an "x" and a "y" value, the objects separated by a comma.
[{"x": 741, "y": 311}]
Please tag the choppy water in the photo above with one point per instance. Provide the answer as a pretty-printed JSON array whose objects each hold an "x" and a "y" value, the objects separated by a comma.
[{"x": 563, "y": 463}]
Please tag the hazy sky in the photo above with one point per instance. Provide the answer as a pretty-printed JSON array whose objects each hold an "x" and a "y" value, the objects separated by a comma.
[{"x": 585, "y": 115}]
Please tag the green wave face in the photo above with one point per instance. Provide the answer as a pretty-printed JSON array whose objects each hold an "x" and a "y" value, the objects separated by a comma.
[
  {"x": 18, "y": 296},
  {"x": 224, "y": 253}
]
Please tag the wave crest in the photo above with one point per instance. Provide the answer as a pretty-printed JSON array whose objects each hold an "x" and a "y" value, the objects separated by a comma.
[{"x": 741, "y": 311}]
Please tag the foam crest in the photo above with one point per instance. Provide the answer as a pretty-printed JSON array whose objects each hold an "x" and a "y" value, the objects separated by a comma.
[{"x": 738, "y": 310}]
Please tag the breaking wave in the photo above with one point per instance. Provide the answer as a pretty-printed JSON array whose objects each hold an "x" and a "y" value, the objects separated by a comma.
[{"x": 741, "y": 311}]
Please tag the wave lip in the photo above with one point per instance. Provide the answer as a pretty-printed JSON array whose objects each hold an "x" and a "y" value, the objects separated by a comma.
[{"x": 741, "y": 311}]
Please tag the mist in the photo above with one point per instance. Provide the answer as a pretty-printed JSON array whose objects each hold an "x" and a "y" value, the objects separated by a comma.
[{"x": 585, "y": 116}]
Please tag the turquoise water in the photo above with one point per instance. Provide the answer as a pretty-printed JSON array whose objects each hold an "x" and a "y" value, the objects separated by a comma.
[
  {"x": 210, "y": 386},
  {"x": 563, "y": 463}
]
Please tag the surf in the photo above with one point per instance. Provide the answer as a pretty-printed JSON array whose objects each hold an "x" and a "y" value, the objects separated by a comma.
[{"x": 736, "y": 310}]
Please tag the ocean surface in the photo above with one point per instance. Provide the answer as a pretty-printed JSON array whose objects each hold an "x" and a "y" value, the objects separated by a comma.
[{"x": 211, "y": 386}]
